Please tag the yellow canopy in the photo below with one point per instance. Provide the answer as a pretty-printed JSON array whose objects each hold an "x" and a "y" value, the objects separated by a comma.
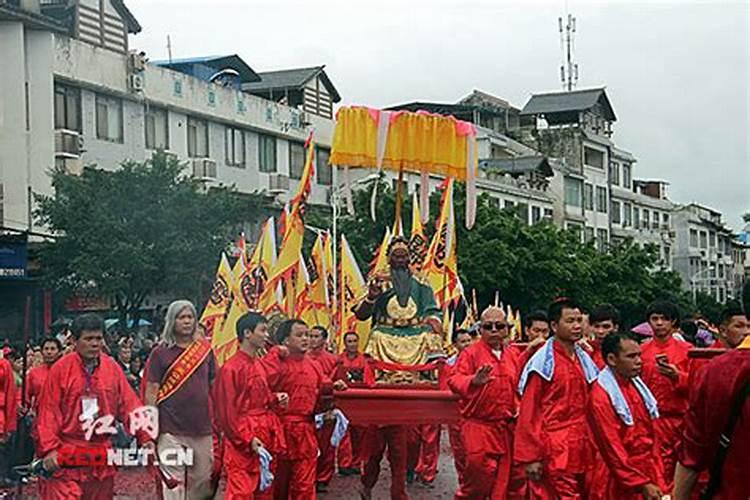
[{"x": 415, "y": 142}]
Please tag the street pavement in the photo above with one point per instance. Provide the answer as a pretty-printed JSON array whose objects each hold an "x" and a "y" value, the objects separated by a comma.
[{"x": 139, "y": 485}]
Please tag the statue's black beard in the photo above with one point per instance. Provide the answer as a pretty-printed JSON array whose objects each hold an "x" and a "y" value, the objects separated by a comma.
[{"x": 401, "y": 284}]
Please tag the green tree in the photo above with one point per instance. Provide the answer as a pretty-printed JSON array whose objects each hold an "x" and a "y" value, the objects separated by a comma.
[
  {"x": 529, "y": 265},
  {"x": 142, "y": 229}
]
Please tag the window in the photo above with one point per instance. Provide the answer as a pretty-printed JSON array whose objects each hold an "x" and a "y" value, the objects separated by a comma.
[
  {"x": 157, "y": 128},
  {"x": 665, "y": 220},
  {"x": 522, "y": 209},
  {"x": 234, "y": 146},
  {"x": 636, "y": 217},
  {"x": 721, "y": 295},
  {"x": 197, "y": 131},
  {"x": 67, "y": 108},
  {"x": 646, "y": 219},
  {"x": 704, "y": 239},
  {"x": 694, "y": 238},
  {"x": 667, "y": 255},
  {"x": 593, "y": 158},
  {"x": 614, "y": 173},
  {"x": 615, "y": 214},
  {"x": 601, "y": 199},
  {"x": 548, "y": 213},
  {"x": 325, "y": 173},
  {"x": 267, "y": 153},
  {"x": 108, "y": 118},
  {"x": 573, "y": 194},
  {"x": 509, "y": 204},
  {"x": 601, "y": 239},
  {"x": 655, "y": 221},
  {"x": 588, "y": 196},
  {"x": 577, "y": 229},
  {"x": 712, "y": 239},
  {"x": 721, "y": 271},
  {"x": 627, "y": 214},
  {"x": 536, "y": 214},
  {"x": 627, "y": 179},
  {"x": 588, "y": 234},
  {"x": 296, "y": 160}
]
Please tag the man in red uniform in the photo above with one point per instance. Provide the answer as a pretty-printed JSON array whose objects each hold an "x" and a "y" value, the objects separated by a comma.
[
  {"x": 484, "y": 377},
  {"x": 243, "y": 404},
  {"x": 604, "y": 320},
  {"x": 327, "y": 364},
  {"x": 621, "y": 410},
  {"x": 181, "y": 370},
  {"x": 711, "y": 401},
  {"x": 551, "y": 434},
  {"x": 302, "y": 379},
  {"x": 666, "y": 370},
  {"x": 536, "y": 326},
  {"x": 461, "y": 340},
  {"x": 7, "y": 414},
  {"x": 352, "y": 367},
  {"x": 37, "y": 377},
  {"x": 84, "y": 393}
]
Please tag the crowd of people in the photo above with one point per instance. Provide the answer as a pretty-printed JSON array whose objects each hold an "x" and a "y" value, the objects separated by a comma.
[{"x": 580, "y": 409}]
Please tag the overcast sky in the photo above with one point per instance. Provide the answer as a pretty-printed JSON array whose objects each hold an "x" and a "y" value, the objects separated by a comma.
[{"x": 677, "y": 74}]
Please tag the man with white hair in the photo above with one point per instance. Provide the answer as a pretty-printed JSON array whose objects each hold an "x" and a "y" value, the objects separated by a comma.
[{"x": 181, "y": 370}]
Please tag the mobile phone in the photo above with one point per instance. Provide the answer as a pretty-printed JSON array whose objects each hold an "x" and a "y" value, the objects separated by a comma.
[{"x": 662, "y": 359}]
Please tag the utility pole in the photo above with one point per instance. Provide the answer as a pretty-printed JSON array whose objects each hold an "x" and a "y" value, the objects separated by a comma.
[{"x": 569, "y": 69}]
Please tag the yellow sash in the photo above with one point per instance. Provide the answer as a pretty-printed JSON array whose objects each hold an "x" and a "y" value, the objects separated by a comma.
[{"x": 182, "y": 368}]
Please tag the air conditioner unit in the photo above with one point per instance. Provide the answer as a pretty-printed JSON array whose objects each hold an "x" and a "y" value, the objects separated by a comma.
[
  {"x": 136, "y": 61},
  {"x": 204, "y": 169},
  {"x": 70, "y": 165},
  {"x": 278, "y": 183},
  {"x": 68, "y": 144},
  {"x": 135, "y": 83}
]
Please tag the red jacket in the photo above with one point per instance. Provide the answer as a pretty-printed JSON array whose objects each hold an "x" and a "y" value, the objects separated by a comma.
[
  {"x": 326, "y": 361},
  {"x": 710, "y": 401},
  {"x": 35, "y": 381},
  {"x": 551, "y": 424},
  {"x": 302, "y": 379},
  {"x": 7, "y": 397},
  {"x": 354, "y": 370},
  {"x": 60, "y": 406},
  {"x": 243, "y": 404},
  {"x": 494, "y": 401},
  {"x": 672, "y": 396},
  {"x": 630, "y": 452}
]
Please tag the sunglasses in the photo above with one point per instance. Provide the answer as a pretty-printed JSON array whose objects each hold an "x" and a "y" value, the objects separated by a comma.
[{"x": 497, "y": 325}]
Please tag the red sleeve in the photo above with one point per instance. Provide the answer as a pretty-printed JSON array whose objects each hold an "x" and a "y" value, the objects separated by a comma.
[
  {"x": 274, "y": 367},
  {"x": 530, "y": 433},
  {"x": 49, "y": 419},
  {"x": 7, "y": 398},
  {"x": 228, "y": 388},
  {"x": 463, "y": 373},
  {"x": 693, "y": 449},
  {"x": 604, "y": 424},
  {"x": 683, "y": 376}
]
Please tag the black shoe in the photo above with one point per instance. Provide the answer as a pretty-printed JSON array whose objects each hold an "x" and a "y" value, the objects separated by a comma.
[
  {"x": 409, "y": 476},
  {"x": 425, "y": 484},
  {"x": 321, "y": 487},
  {"x": 348, "y": 471}
]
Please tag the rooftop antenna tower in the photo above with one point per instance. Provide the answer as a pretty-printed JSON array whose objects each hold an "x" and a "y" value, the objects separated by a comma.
[
  {"x": 169, "y": 49},
  {"x": 569, "y": 69}
]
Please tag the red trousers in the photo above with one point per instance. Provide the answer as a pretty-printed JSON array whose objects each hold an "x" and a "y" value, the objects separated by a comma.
[
  {"x": 668, "y": 430},
  {"x": 395, "y": 438},
  {"x": 350, "y": 452},
  {"x": 326, "y": 459},
  {"x": 66, "y": 486},
  {"x": 429, "y": 452},
  {"x": 243, "y": 475},
  {"x": 459, "y": 453},
  {"x": 295, "y": 479},
  {"x": 488, "y": 448}
]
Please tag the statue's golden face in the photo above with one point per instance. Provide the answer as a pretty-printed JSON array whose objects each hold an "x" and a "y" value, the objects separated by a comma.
[{"x": 400, "y": 378}]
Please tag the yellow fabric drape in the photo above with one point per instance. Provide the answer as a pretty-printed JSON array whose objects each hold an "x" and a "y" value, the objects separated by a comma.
[{"x": 416, "y": 142}]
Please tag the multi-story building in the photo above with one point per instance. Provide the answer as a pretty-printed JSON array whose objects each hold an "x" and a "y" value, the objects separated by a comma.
[
  {"x": 73, "y": 93},
  {"x": 703, "y": 253}
]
